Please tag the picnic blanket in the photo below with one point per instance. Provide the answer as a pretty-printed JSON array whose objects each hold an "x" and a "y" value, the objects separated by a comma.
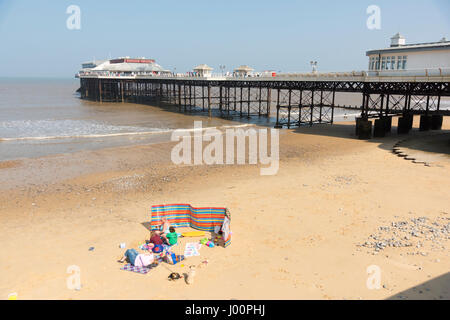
[
  {"x": 142, "y": 270},
  {"x": 130, "y": 267},
  {"x": 192, "y": 249}
]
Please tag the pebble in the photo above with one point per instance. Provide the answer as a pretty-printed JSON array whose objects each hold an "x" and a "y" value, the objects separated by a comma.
[{"x": 398, "y": 234}]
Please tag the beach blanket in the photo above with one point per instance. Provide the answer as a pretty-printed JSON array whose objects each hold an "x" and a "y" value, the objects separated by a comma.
[
  {"x": 130, "y": 267},
  {"x": 141, "y": 270},
  {"x": 208, "y": 219},
  {"x": 192, "y": 249}
]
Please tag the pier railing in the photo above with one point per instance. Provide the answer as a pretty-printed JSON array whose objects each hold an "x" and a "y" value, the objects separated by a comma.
[{"x": 415, "y": 75}]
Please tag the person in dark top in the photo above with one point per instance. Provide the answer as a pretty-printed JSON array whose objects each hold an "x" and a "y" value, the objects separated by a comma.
[{"x": 156, "y": 238}]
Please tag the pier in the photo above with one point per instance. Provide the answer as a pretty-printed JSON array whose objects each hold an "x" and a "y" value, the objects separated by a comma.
[{"x": 298, "y": 99}]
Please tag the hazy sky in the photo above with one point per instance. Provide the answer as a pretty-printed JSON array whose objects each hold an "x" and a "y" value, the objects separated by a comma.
[{"x": 278, "y": 35}]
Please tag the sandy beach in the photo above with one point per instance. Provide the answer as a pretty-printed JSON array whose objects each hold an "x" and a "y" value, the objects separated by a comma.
[{"x": 304, "y": 233}]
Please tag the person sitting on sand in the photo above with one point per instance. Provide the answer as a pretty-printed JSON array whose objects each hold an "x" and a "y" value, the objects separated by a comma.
[
  {"x": 136, "y": 259},
  {"x": 172, "y": 237},
  {"x": 165, "y": 225},
  {"x": 156, "y": 238}
]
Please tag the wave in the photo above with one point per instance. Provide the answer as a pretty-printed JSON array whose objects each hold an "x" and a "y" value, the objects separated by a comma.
[{"x": 119, "y": 134}]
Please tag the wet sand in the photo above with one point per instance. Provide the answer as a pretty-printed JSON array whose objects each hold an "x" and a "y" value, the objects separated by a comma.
[{"x": 296, "y": 235}]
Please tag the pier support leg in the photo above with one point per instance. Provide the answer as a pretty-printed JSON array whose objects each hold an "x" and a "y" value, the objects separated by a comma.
[
  {"x": 209, "y": 101},
  {"x": 358, "y": 119},
  {"x": 228, "y": 100},
  {"x": 388, "y": 123},
  {"x": 259, "y": 102},
  {"x": 100, "y": 93},
  {"x": 425, "y": 122},
  {"x": 436, "y": 121},
  {"x": 364, "y": 129},
  {"x": 220, "y": 99},
  {"x": 185, "y": 98},
  {"x": 278, "y": 125},
  {"x": 332, "y": 106},
  {"x": 179, "y": 96},
  {"x": 404, "y": 124},
  {"x": 379, "y": 129},
  {"x": 234, "y": 99},
  {"x": 121, "y": 91},
  {"x": 248, "y": 105},
  {"x": 240, "y": 104},
  {"x": 203, "y": 98}
]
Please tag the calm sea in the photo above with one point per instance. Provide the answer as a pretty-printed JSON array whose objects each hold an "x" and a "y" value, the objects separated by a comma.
[{"x": 39, "y": 117}]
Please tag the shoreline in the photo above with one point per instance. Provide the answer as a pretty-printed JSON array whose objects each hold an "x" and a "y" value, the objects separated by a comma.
[{"x": 296, "y": 232}]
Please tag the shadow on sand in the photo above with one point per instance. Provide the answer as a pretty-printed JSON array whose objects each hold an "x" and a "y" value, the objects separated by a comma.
[
  {"x": 435, "y": 289},
  {"x": 337, "y": 130},
  {"x": 387, "y": 143}
]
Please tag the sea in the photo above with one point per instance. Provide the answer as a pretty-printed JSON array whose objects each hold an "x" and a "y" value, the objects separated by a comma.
[{"x": 41, "y": 117}]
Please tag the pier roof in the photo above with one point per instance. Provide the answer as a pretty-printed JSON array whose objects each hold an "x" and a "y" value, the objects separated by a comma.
[
  {"x": 244, "y": 68},
  {"x": 203, "y": 67},
  {"x": 129, "y": 67},
  {"x": 443, "y": 44}
]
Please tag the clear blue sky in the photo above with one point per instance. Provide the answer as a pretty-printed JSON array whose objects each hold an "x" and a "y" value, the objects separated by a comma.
[{"x": 278, "y": 35}]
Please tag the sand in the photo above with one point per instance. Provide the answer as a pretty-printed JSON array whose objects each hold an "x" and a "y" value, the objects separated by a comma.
[{"x": 296, "y": 235}]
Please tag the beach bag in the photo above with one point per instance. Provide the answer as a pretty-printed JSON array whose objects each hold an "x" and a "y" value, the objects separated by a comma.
[
  {"x": 157, "y": 248},
  {"x": 172, "y": 258}
]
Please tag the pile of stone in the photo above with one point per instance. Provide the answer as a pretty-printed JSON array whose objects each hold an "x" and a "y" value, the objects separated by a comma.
[{"x": 415, "y": 232}]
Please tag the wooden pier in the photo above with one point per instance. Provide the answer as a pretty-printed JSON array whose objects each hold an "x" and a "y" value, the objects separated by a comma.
[{"x": 297, "y": 101}]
